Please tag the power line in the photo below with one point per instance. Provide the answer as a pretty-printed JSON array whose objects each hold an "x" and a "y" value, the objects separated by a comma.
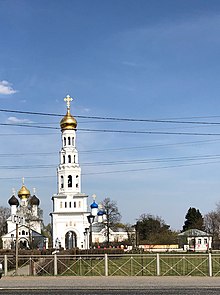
[
  {"x": 117, "y": 119},
  {"x": 120, "y": 162},
  {"x": 119, "y": 149},
  {"x": 119, "y": 131},
  {"x": 118, "y": 171}
]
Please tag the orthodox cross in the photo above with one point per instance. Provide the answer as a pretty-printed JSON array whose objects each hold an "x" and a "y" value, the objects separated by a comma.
[{"x": 68, "y": 99}]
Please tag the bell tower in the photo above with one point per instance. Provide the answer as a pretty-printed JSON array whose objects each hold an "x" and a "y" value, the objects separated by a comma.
[
  {"x": 69, "y": 171},
  {"x": 69, "y": 216}
]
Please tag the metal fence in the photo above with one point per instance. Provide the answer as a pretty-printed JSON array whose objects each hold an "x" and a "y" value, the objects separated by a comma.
[{"x": 113, "y": 265}]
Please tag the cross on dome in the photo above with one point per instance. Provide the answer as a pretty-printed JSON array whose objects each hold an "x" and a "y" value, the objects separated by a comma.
[
  {"x": 22, "y": 180},
  {"x": 68, "y": 99}
]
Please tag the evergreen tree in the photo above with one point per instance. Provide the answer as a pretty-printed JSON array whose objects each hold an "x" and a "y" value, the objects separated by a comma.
[
  {"x": 153, "y": 230},
  {"x": 194, "y": 220}
]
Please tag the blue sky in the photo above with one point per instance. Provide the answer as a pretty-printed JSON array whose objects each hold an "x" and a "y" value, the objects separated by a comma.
[{"x": 125, "y": 59}]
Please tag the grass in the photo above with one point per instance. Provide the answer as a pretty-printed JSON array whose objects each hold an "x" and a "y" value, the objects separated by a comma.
[{"x": 131, "y": 265}]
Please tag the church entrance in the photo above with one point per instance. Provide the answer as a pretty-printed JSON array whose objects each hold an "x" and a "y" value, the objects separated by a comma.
[{"x": 70, "y": 240}]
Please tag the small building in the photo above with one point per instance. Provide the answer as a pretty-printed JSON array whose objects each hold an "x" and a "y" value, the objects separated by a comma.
[
  {"x": 100, "y": 233},
  {"x": 195, "y": 240}
]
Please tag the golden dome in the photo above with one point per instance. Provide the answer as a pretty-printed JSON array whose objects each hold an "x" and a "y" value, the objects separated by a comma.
[
  {"x": 68, "y": 122},
  {"x": 24, "y": 193}
]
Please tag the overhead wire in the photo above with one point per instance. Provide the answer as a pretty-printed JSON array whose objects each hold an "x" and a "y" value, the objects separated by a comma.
[{"x": 115, "y": 118}]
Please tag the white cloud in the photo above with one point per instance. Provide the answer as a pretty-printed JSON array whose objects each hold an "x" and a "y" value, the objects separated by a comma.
[
  {"x": 15, "y": 120},
  {"x": 130, "y": 64},
  {"x": 6, "y": 88}
]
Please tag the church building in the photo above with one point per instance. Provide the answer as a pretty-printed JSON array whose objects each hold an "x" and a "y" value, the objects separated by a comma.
[
  {"x": 70, "y": 226},
  {"x": 25, "y": 222},
  {"x": 69, "y": 216}
]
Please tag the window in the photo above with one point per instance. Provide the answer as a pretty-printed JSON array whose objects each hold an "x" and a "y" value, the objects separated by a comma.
[
  {"x": 65, "y": 204},
  {"x": 205, "y": 241},
  {"x": 69, "y": 141},
  {"x": 199, "y": 241},
  {"x": 69, "y": 159},
  {"x": 61, "y": 181},
  {"x": 74, "y": 159},
  {"x": 63, "y": 159},
  {"x": 64, "y": 141},
  {"x": 77, "y": 176},
  {"x": 74, "y": 204},
  {"x": 79, "y": 204},
  {"x": 69, "y": 181},
  {"x": 72, "y": 141},
  {"x": 23, "y": 232},
  {"x": 61, "y": 204},
  {"x": 70, "y": 204},
  {"x": 77, "y": 185}
]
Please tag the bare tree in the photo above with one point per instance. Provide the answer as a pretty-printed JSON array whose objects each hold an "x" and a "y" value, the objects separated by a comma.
[
  {"x": 212, "y": 225},
  {"x": 113, "y": 216}
]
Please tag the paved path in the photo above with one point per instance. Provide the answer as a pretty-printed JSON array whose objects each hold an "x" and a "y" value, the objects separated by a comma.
[{"x": 108, "y": 283}]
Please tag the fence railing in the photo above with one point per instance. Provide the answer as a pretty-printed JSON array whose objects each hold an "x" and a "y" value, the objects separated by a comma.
[{"x": 113, "y": 265}]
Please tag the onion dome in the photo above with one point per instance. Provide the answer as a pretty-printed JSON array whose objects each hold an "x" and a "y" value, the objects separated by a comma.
[
  {"x": 24, "y": 193},
  {"x": 13, "y": 201},
  {"x": 100, "y": 213},
  {"x": 34, "y": 201},
  {"x": 94, "y": 205},
  {"x": 68, "y": 122}
]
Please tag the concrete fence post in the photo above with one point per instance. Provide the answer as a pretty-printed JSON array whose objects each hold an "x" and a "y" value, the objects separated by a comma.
[
  {"x": 55, "y": 265},
  {"x": 210, "y": 264},
  {"x": 158, "y": 264},
  {"x": 5, "y": 265},
  {"x": 106, "y": 265}
]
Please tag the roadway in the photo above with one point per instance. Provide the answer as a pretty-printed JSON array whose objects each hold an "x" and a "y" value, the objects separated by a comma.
[{"x": 109, "y": 285}]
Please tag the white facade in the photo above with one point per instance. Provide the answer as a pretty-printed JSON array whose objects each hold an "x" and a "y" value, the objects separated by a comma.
[
  {"x": 69, "y": 216},
  {"x": 24, "y": 215},
  {"x": 195, "y": 240}
]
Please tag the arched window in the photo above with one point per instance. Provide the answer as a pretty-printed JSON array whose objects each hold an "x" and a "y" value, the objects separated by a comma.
[
  {"x": 69, "y": 180},
  {"x": 69, "y": 159},
  {"x": 69, "y": 141},
  {"x": 64, "y": 141},
  {"x": 63, "y": 159},
  {"x": 61, "y": 181},
  {"x": 73, "y": 141},
  {"x": 74, "y": 159},
  {"x": 23, "y": 232}
]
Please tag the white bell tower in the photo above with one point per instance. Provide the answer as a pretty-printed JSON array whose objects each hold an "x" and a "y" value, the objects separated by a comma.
[{"x": 69, "y": 204}]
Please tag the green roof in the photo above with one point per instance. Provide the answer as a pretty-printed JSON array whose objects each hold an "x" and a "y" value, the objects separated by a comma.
[{"x": 194, "y": 233}]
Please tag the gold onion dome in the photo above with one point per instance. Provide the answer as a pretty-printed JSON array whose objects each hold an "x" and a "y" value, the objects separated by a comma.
[
  {"x": 24, "y": 193},
  {"x": 68, "y": 122}
]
